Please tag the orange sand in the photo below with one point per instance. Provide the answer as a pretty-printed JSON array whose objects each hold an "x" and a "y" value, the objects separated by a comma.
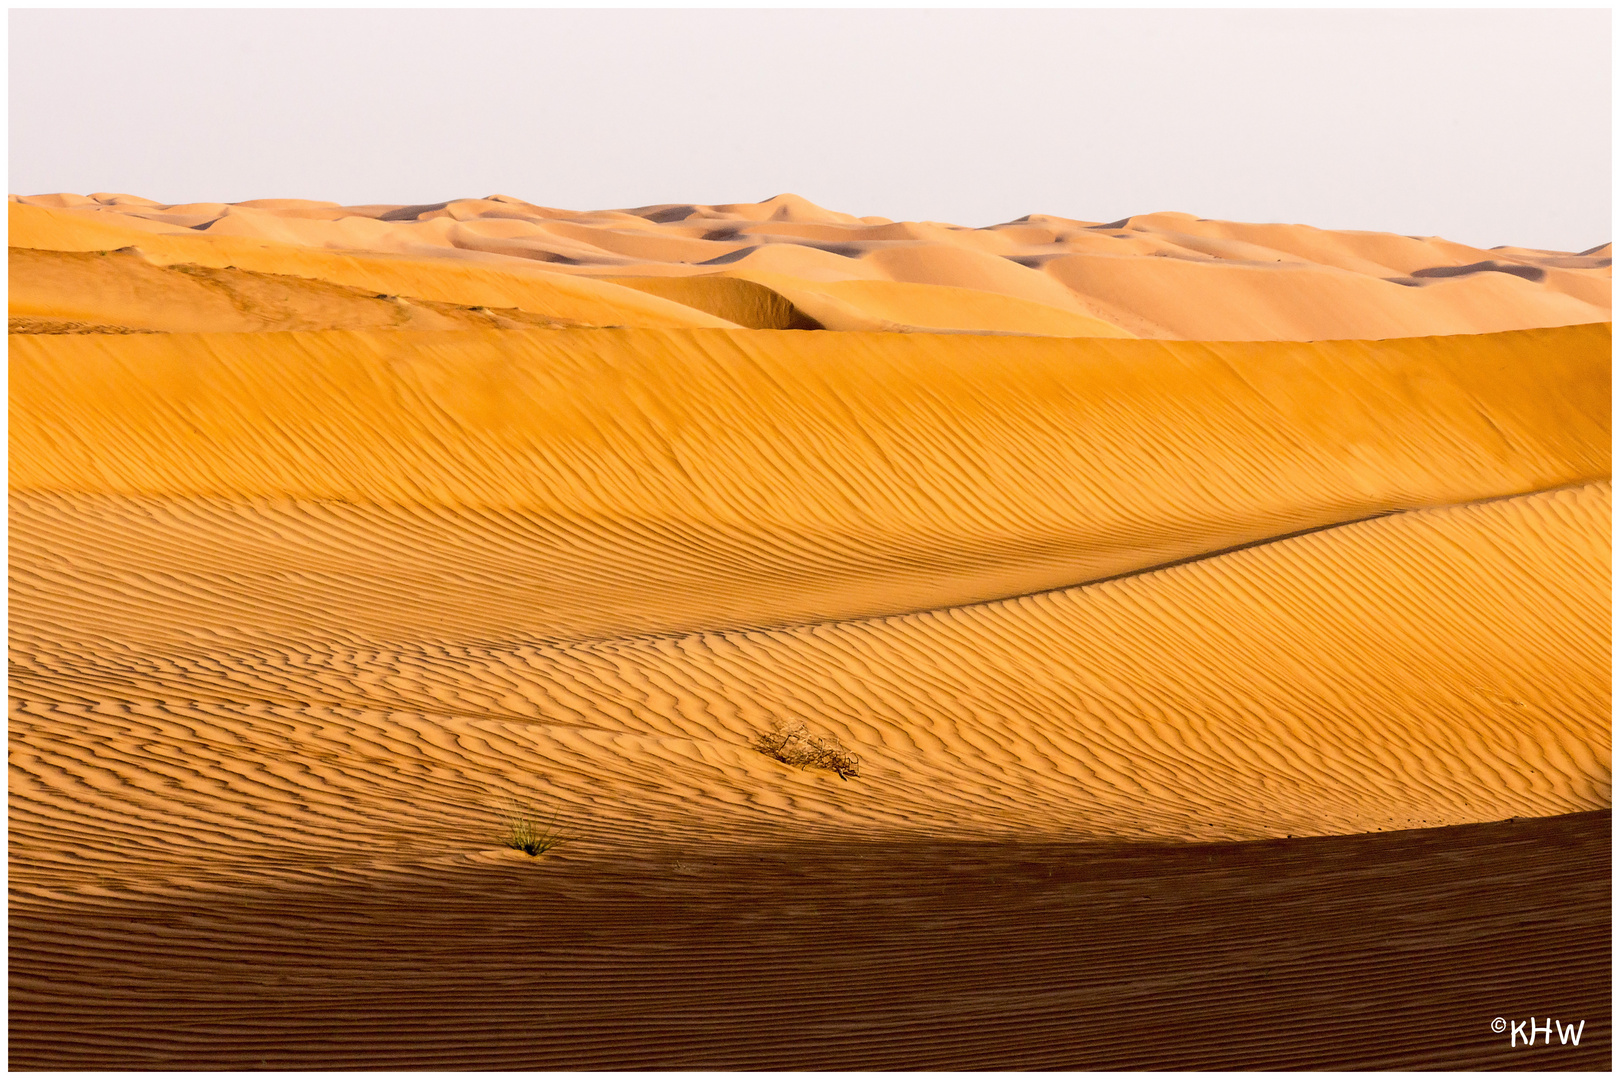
[{"x": 332, "y": 529}]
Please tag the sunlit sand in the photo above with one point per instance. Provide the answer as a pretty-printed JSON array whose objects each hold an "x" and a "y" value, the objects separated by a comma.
[{"x": 335, "y": 530}]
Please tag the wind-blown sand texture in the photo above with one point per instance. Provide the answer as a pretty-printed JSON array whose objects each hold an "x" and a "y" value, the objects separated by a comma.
[{"x": 1193, "y": 681}]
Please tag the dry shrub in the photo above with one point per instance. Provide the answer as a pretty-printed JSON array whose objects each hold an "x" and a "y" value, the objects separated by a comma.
[
  {"x": 525, "y": 833},
  {"x": 792, "y": 744}
]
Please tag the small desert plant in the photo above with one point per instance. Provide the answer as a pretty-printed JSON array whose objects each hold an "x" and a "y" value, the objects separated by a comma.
[
  {"x": 525, "y": 833},
  {"x": 791, "y": 743}
]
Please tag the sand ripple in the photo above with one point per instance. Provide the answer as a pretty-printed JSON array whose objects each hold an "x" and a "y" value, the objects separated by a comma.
[
  {"x": 607, "y": 483},
  {"x": 1428, "y": 668},
  {"x": 294, "y": 616}
]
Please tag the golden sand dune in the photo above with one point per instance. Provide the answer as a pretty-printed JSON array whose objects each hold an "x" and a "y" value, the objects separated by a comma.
[
  {"x": 664, "y": 481},
  {"x": 123, "y": 291},
  {"x": 82, "y": 289},
  {"x": 1164, "y": 275},
  {"x": 1434, "y": 667},
  {"x": 471, "y": 536},
  {"x": 1190, "y": 681}
]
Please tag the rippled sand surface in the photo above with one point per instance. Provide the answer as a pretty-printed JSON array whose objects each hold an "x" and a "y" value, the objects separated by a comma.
[{"x": 1188, "y": 679}]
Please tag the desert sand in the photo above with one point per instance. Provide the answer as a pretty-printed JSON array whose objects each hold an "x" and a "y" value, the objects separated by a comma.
[
  {"x": 1163, "y": 275},
  {"x": 1220, "y": 614}
]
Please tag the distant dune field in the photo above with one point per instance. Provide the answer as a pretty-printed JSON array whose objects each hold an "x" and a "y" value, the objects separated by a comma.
[
  {"x": 1272, "y": 557},
  {"x": 1155, "y": 275}
]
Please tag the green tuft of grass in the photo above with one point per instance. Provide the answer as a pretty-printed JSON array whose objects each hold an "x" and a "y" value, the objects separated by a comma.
[{"x": 525, "y": 832}]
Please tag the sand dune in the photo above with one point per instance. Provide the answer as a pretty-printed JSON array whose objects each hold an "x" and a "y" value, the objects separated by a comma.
[
  {"x": 124, "y": 290},
  {"x": 931, "y": 308},
  {"x": 1191, "y": 681},
  {"x": 1162, "y": 275},
  {"x": 747, "y": 303},
  {"x": 787, "y": 476},
  {"x": 592, "y": 490},
  {"x": 1253, "y": 694},
  {"x": 765, "y": 301},
  {"x": 477, "y": 283},
  {"x": 1181, "y": 298}
]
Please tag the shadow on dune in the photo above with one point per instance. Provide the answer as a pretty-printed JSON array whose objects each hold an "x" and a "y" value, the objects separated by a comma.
[
  {"x": 729, "y": 257},
  {"x": 662, "y": 215},
  {"x": 1033, "y": 262},
  {"x": 1529, "y": 273},
  {"x": 1371, "y": 951}
]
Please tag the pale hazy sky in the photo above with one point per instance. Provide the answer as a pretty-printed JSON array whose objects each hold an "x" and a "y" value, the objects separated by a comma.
[{"x": 1488, "y": 127}]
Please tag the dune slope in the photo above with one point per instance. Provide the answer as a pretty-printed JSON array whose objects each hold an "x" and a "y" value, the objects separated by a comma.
[
  {"x": 55, "y": 292},
  {"x": 633, "y": 550},
  {"x": 654, "y": 482},
  {"x": 462, "y": 283},
  {"x": 1428, "y": 668}
]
